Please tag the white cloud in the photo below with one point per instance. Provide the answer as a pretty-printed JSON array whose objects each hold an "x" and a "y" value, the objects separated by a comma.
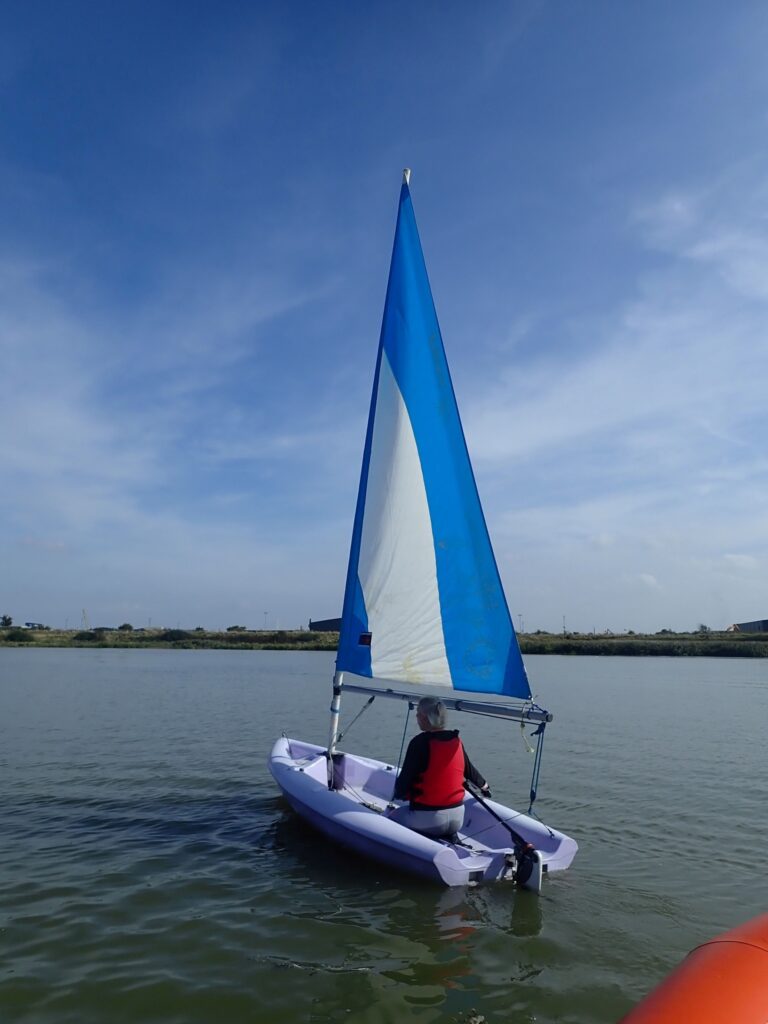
[
  {"x": 746, "y": 562},
  {"x": 644, "y": 445},
  {"x": 90, "y": 506},
  {"x": 649, "y": 580},
  {"x": 670, "y": 215}
]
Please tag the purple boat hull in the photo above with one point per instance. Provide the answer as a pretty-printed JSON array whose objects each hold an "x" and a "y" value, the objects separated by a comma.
[{"x": 352, "y": 814}]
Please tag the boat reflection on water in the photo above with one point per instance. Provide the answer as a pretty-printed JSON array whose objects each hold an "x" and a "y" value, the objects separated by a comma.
[
  {"x": 460, "y": 913},
  {"x": 448, "y": 952},
  {"x": 526, "y": 918},
  {"x": 428, "y": 913},
  {"x": 454, "y": 912}
]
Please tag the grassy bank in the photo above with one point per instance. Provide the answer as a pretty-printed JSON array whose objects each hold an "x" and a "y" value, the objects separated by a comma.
[
  {"x": 196, "y": 639},
  {"x": 665, "y": 645},
  {"x": 709, "y": 645}
]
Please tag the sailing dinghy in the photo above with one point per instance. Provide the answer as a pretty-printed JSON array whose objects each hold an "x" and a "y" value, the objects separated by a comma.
[{"x": 423, "y": 606}]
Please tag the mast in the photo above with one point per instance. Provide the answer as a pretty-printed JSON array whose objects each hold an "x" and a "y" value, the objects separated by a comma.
[{"x": 338, "y": 680}]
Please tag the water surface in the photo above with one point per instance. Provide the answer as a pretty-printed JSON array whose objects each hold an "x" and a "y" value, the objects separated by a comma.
[{"x": 150, "y": 872}]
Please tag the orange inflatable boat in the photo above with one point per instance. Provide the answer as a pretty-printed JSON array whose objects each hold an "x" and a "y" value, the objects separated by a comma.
[{"x": 724, "y": 981}]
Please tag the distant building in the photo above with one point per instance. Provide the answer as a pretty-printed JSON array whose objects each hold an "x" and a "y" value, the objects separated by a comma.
[
  {"x": 758, "y": 626},
  {"x": 325, "y": 625}
]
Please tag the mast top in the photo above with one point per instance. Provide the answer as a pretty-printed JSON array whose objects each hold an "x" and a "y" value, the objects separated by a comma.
[{"x": 406, "y": 175}]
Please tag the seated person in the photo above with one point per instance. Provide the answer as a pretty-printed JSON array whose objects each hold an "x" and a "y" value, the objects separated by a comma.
[{"x": 433, "y": 774}]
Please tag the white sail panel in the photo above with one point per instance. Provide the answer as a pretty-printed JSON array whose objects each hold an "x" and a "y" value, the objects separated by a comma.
[{"x": 397, "y": 567}]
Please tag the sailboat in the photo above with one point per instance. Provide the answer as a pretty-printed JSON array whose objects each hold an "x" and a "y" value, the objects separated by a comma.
[{"x": 423, "y": 606}]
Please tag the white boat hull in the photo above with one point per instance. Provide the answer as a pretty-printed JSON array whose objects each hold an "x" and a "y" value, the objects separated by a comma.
[{"x": 352, "y": 814}]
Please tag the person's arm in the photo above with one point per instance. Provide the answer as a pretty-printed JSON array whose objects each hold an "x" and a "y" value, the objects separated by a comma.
[
  {"x": 416, "y": 759},
  {"x": 473, "y": 775}
]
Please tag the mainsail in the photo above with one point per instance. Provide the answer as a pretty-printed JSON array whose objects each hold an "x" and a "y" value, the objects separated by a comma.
[{"x": 424, "y": 602}]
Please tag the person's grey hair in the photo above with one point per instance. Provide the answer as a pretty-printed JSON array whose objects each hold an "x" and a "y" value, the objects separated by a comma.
[{"x": 433, "y": 710}]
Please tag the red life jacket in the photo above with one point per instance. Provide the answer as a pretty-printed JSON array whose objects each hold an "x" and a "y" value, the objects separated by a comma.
[{"x": 442, "y": 782}]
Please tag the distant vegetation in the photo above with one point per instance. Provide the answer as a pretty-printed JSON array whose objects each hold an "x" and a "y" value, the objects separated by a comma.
[
  {"x": 126, "y": 636},
  {"x": 19, "y": 636},
  {"x": 703, "y": 642}
]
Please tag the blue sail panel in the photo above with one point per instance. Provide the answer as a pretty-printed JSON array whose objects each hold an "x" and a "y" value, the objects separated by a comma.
[
  {"x": 355, "y": 630},
  {"x": 422, "y": 576}
]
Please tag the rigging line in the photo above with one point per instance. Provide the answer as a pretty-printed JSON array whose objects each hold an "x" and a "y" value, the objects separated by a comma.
[
  {"x": 505, "y": 821},
  {"x": 411, "y": 706},
  {"x": 528, "y": 747},
  {"x": 361, "y": 800},
  {"x": 502, "y": 820},
  {"x": 533, "y": 814},
  {"x": 479, "y": 832},
  {"x": 363, "y": 709},
  {"x": 539, "y": 734},
  {"x": 487, "y": 714},
  {"x": 528, "y": 706}
]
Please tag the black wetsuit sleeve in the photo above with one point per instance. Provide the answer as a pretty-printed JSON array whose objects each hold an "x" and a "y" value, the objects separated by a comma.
[
  {"x": 471, "y": 773},
  {"x": 415, "y": 764}
]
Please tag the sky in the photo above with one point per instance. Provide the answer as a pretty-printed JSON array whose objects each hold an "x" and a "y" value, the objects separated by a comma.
[{"x": 197, "y": 205}]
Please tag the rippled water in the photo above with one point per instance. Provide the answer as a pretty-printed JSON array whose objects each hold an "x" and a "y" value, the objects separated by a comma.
[{"x": 149, "y": 871}]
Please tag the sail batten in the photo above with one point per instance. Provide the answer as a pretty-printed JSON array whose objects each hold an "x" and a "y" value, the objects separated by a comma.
[{"x": 424, "y": 602}]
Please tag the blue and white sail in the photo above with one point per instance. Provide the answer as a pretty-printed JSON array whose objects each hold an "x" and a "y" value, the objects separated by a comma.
[{"x": 424, "y": 602}]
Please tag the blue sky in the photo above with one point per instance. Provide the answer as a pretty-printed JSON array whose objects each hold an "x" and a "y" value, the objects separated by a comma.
[{"x": 197, "y": 204}]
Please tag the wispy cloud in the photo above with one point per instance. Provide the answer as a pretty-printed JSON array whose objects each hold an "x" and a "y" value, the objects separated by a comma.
[
  {"x": 97, "y": 476},
  {"x": 649, "y": 580},
  {"x": 650, "y": 436},
  {"x": 747, "y": 563}
]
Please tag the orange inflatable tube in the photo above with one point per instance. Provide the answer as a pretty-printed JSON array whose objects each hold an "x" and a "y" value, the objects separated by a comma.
[{"x": 724, "y": 981}]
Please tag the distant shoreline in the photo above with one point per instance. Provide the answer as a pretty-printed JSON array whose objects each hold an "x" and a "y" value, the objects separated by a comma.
[
  {"x": 669, "y": 645},
  {"x": 174, "y": 639}
]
